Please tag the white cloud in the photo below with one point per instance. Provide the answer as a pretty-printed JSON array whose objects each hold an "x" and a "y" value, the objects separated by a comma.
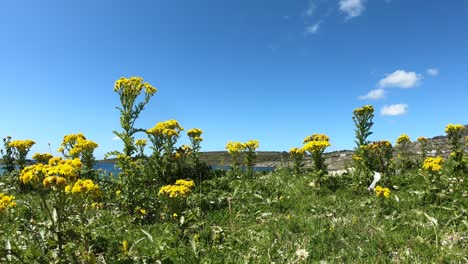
[
  {"x": 352, "y": 8},
  {"x": 400, "y": 79},
  {"x": 394, "y": 110},
  {"x": 312, "y": 29},
  {"x": 115, "y": 138},
  {"x": 373, "y": 95},
  {"x": 432, "y": 72},
  {"x": 311, "y": 8}
]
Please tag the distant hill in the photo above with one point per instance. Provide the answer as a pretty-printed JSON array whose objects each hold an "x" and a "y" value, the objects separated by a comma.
[{"x": 335, "y": 160}]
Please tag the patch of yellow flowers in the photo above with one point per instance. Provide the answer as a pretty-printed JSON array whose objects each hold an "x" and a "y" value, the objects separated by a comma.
[
  {"x": 76, "y": 145},
  {"x": 296, "y": 152},
  {"x": 42, "y": 158},
  {"x": 83, "y": 187},
  {"x": 433, "y": 164},
  {"x": 180, "y": 189},
  {"x": 56, "y": 171},
  {"x": 382, "y": 192},
  {"x": 316, "y": 143},
  {"x": 403, "y": 139},
  {"x": 235, "y": 147},
  {"x": 363, "y": 110},
  {"x": 6, "y": 202},
  {"x": 454, "y": 129},
  {"x": 22, "y": 145},
  {"x": 133, "y": 86},
  {"x": 169, "y": 128}
]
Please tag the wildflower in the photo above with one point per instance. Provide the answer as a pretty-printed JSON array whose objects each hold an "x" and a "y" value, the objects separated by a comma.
[
  {"x": 454, "y": 129},
  {"x": 316, "y": 137},
  {"x": 382, "y": 192},
  {"x": 118, "y": 192},
  {"x": 22, "y": 145},
  {"x": 140, "y": 142},
  {"x": 42, "y": 158},
  {"x": 194, "y": 132},
  {"x": 169, "y": 128},
  {"x": 6, "y": 202},
  {"x": 234, "y": 147},
  {"x": 251, "y": 145},
  {"x": 185, "y": 183},
  {"x": 180, "y": 189},
  {"x": 83, "y": 187},
  {"x": 302, "y": 254},
  {"x": 125, "y": 247},
  {"x": 403, "y": 139},
  {"x": 433, "y": 164},
  {"x": 142, "y": 211}
]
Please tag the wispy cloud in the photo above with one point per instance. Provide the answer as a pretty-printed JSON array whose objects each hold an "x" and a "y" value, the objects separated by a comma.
[
  {"x": 373, "y": 95},
  {"x": 432, "y": 72},
  {"x": 310, "y": 30},
  {"x": 394, "y": 110},
  {"x": 400, "y": 79},
  {"x": 311, "y": 8},
  {"x": 352, "y": 8},
  {"x": 115, "y": 138}
]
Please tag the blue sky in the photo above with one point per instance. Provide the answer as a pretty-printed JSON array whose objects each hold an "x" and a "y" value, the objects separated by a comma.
[{"x": 275, "y": 70}]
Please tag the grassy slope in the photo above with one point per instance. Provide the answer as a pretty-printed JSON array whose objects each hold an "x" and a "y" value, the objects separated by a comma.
[{"x": 274, "y": 215}]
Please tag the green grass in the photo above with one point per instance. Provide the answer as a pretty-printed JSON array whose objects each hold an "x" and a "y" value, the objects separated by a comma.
[{"x": 266, "y": 220}]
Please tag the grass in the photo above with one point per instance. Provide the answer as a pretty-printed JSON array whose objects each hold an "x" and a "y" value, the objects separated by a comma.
[{"x": 267, "y": 219}]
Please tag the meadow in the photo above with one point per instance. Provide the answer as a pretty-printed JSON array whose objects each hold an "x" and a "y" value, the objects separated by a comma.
[{"x": 169, "y": 206}]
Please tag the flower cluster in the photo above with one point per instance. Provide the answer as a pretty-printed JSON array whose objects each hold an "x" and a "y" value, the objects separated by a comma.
[
  {"x": 180, "y": 189},
  {"x": 133, "y": 86},
  {"x": 67, "y": 169},
  {"x": 422, "y": 140},
  {"x": 296, "y": 152},
  {"x": 251, "y": 145},
  {"x": 182, "y": 151},
  {"x": 6, "y": 202},
  {"x": 76, "y": 145},
  {"x": 433, "y": 164},
  {"x": 140, "y": 142},
  {"x": 378, "y": 145},
  {"x": 316, "y": 146},
  {"x": 42, "y": 158},
  {"x": 364, "y": 110},
  {"x": 454, "y": 129},
  {"x": 403, "y": 139},
  {"x": 83, "y": 187},
  {"x": 169, "y": 128},
  {"x": 382, "y": 192},
  {"x": 317, "y": 137},
  {"x": 194, "y": 132},
  {"x": 235, "y": 147},
  {"x": 22, "y": 145}
]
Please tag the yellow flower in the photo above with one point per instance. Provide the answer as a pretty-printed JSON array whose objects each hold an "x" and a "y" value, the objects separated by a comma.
[
  {"x": 118, "y": 192},
  {"x": 422, "y": 139},
  {"x": 194, "y": 132},
  {"x": 169, "y": 128},
  {"x": 364, "y": 110},
  {"x": 42, "y": 158},
  {"x": 454, "y": 129},
  {"x": 84, "y": 187},
  {"x": 316, "y": 146},
  {"x": 296, "y": 152},
  {"x": 22, "y": 145},
  {"x": 234, "y": 147},
  {"x": 180, "y": 189},
  {"x": 142, "y": 211},
  {"x": 382, "y": 192},
  {"x": 6, "y": 202},
  {"x": 140, "y": 142},
  {"x": 403, "y": 139},
  {"x": 185, "y": 183},
  {"x": 316, "y": 137},
  {"x": 251, "y": 145},
  {"x": 125, "y": 247},
  {"x": 433, "y": 164}
]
